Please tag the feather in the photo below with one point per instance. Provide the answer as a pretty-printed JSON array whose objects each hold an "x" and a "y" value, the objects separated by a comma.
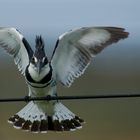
[
  {"x": 16, "y": 46},
  {"x": 75, "y": 49}
]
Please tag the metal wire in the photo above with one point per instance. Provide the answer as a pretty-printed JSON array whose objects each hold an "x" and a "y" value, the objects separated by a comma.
[{"x": 49, "y": 98}]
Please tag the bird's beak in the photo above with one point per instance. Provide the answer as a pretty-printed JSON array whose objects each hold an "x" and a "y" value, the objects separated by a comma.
[{"x": 39, "y": 66}]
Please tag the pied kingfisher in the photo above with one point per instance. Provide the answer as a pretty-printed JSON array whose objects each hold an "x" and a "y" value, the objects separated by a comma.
[{"x": 72, "y": 54}]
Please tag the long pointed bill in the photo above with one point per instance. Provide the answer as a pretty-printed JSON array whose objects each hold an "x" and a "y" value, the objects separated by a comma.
[{"x": 39, "y": 67}]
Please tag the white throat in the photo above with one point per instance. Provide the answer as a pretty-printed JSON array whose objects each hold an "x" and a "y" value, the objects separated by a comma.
[{"x": 35, "y": 75}]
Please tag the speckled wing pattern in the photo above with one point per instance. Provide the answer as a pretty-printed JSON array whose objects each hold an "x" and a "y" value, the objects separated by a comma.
[
  {"x": 16, "y": 45},
  {"x": 75, "y": 49}
]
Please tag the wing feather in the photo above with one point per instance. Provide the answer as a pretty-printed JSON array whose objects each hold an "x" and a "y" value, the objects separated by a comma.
[
  {"x": 16, "y": 46},
  {"x": 75, "y": 49}
]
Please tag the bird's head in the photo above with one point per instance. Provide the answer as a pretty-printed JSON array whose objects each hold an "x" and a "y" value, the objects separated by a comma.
[{"x": 39, "y": 59}]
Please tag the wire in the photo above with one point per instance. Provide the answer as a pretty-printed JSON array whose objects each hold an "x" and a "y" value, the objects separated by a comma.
[{"x": 49, "y": 98}]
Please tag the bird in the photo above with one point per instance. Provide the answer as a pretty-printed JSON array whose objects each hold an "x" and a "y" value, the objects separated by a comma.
[{"x": 72, "y": 54}]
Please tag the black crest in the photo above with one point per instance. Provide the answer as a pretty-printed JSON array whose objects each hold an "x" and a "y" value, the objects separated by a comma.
[
  {"x": 39, "y": 48},
  {"x": 39, "y": 42}
]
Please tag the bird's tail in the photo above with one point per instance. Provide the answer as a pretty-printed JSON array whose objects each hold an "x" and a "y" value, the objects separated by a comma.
[{"x": 36, "y": 119}]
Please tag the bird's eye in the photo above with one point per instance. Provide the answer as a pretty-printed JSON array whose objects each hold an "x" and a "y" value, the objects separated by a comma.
[
  {"x": 45, "y": 60},
  {"x": 33, "y": 60}
]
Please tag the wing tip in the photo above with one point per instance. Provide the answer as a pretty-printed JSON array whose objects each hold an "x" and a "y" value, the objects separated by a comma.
[{"x": 118, "y": 31}]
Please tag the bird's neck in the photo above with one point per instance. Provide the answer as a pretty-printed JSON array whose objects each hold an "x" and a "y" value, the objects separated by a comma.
[{"x": 35, "y": 75}]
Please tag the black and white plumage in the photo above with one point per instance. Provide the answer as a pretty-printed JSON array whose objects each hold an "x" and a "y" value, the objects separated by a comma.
[{"x": 73, "y": 53}]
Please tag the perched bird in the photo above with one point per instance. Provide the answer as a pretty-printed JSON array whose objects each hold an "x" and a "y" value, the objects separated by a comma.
[{"x": 72, "y": 54}]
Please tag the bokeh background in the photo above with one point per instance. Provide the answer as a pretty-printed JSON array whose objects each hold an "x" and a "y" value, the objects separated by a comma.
[{"x": 116, "y": 70}]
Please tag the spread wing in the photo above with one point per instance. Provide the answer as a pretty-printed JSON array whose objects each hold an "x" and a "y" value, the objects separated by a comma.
[
  {"x": 16, "y": 45},
  {"x": 75, "y": 49}
]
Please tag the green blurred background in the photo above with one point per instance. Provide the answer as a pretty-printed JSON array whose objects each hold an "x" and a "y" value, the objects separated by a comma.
[{"x": 114, "y": 71}]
